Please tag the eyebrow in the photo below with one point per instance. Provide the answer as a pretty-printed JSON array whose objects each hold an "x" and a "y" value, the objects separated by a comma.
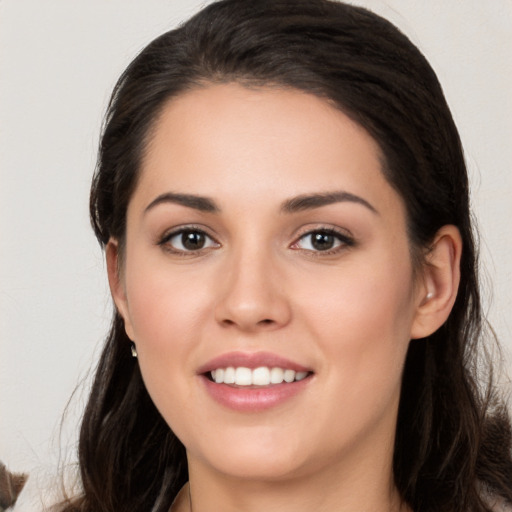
[
  {"x": 311, "y": 201},
  {"x": 293, "y": 205},
  {"x": 201, "y": 203}
]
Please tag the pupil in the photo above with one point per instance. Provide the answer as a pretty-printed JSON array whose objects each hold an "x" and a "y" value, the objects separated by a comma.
[
  {"x": 192, "y": 240},
  {"x": 322, "y": 241}
]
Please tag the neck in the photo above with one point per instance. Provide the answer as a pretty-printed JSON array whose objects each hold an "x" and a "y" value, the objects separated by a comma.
[
  {"x": 293, "y": 498},
  {"x": 364, "y": 487}
]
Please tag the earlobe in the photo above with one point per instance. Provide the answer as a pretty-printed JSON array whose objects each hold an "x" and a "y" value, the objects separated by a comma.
[
  {"x": 116, "y": 284},
  {"x": 440, "y": 283}
]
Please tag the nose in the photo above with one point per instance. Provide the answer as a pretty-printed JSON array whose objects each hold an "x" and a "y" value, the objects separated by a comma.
[{"x": 252, "y": 295}]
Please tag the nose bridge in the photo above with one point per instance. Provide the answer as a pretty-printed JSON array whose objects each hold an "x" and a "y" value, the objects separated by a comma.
[{"x": 253, "y": 296}]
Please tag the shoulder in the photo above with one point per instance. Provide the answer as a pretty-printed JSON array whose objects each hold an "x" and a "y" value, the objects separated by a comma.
[
  {"x": 501, "y": 506},
  {"x": 496, "y": 503}
]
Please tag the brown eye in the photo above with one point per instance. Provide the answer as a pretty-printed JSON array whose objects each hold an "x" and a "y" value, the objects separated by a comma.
[
  {"x": 188, "y": 240},
  {"x": 193, "y": 240},
  {"x": 323, "y": 240}
]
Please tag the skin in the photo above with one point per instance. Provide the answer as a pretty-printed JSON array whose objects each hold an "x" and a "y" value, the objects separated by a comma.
[{"x": 258, "y": 284}]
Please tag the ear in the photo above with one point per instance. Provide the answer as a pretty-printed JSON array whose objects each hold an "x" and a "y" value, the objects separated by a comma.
[
  {"x": 441, "y": 276},
  {"x": 117, "y": 288}
]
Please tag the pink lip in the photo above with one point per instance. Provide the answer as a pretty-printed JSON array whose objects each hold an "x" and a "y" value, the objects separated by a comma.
[
  {"x": 252, "y": 399},
  {"x": 251, "y": 360}
]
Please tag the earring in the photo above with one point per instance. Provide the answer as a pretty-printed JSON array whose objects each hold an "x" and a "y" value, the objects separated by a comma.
[
  {"x": 133, "y": 348},
  {"x": 429, "y": 295}
]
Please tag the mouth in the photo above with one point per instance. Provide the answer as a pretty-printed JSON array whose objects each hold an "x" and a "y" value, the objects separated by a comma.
[
  {"x": 262, "y": 376},
  {"x": 254, "y": 382}
]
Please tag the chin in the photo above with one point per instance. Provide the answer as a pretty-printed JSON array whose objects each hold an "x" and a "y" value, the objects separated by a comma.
[
  {"x": 254, "y": 457},
  {"x": 257, "y": 468}
]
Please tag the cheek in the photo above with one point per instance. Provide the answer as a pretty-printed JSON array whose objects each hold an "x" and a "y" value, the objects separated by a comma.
[
  {"x": 167, "y": 316},
  {"x": 165, "y": 308},
  {"x": 362, "y": 317}
]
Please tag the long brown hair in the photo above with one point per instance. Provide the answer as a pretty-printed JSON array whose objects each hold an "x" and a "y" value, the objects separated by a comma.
[{"x": 453, "y": 439}]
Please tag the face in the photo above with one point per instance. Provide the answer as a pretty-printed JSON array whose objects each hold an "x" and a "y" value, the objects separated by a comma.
[{"x": 263, "y": 243}]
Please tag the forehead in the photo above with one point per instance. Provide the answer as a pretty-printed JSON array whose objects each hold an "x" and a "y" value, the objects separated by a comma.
[{"x": 237, "y": 143}]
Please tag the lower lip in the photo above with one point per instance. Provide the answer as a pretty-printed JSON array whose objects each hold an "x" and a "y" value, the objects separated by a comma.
[{"x": 251, "y": 399}]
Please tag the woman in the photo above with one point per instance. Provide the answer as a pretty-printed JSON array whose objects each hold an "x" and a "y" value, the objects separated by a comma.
[{"x": 282, "y": 197}]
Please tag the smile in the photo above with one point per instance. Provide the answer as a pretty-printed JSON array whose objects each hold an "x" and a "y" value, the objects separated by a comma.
[
  {"x": 253, "y": 382},
  {"x": 261, "y": 376}
]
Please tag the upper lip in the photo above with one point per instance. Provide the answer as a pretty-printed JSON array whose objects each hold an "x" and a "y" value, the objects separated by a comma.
[{"x": 251, "y": 360}]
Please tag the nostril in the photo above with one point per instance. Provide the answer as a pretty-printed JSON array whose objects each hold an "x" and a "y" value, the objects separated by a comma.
[{"x": 266, "y": 322}]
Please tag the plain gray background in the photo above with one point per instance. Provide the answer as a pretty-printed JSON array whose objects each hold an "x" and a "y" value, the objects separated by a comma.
[{"x": 59, "y": 60}]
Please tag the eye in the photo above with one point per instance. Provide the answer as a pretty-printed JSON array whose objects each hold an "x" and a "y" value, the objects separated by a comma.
[
  {"x": 323, "y": 240},
  {"x": 188, "y": 240}
]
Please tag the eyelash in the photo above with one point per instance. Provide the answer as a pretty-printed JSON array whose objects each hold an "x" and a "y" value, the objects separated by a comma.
[
  {"x": 343, "y": 241},
  {"x": 165, "y": 241}
]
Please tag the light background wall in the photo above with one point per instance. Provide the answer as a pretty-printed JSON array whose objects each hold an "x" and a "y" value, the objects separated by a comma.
[{"x": 58, "y": 62}]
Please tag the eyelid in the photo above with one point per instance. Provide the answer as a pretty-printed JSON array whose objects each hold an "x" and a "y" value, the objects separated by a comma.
[
  {"x": 164, "y": 239},
  {"x": 344, "y": 236}
]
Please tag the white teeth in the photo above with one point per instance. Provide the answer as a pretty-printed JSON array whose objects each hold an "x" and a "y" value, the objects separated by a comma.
[
  {"x": 289, "y": 375},
  {"x": 243, "y": 376},
  {"x": 262, "y": 376},
  {"x": 219, "y": 376},
  {"x": 276, "y": 375},
  {"x": 229, "y": 375}
]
